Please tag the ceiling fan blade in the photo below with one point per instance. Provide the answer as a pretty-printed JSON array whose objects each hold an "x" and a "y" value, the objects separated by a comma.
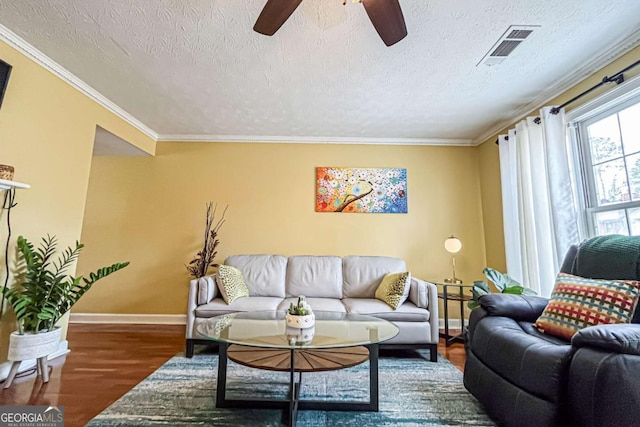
[
  {"x": 273, "y": 15},
  {"x": 386, "y": 16}
]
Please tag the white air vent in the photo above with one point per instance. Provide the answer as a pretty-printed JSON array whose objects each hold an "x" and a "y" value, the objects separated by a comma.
[{"x": 511, "y": 39}]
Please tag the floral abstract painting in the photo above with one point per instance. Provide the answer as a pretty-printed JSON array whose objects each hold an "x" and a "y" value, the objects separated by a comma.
[{"x": 364, "y": 190}]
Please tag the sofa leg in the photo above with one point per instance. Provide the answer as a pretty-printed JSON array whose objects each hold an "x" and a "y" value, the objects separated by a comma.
[
  {"x": 433, "y": 351},
  {"x": 190, "y": 345}
]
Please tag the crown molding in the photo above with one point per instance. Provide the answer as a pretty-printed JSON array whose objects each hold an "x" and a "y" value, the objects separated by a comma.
[
  {"x": 21, "y": 45},
  {"x": 18, "y": 43},
  {"x": 589, "y": 68},
  {"x": 315, "y": 140}
]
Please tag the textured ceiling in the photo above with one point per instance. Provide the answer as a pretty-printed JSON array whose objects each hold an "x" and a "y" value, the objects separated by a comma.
[{"x": 195, "y": 67}]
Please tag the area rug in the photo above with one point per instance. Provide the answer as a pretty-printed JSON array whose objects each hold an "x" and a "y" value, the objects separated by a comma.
[{"x": 413, "y": 392}]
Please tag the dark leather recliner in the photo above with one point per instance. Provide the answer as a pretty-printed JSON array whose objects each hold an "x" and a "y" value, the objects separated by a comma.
[{"x": 523, "y": 377}]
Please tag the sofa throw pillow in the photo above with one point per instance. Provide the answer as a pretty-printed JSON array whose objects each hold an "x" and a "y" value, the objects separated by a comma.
[
  {"x": 577, "y": 303},
  {"x": 394, "y": 289},
  {"x": 231, "y": 283}
]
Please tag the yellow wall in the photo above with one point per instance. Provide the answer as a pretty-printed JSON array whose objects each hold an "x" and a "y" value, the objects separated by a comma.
[
  {"x": 46, "y": 132},
  {"x": 489, "y": 158},
  {"x": 489, "y": 168},
  {"x": 150, "y": 211}
]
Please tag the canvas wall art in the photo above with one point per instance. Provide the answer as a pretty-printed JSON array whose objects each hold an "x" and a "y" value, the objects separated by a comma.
[{"x": 364, "y": 190}]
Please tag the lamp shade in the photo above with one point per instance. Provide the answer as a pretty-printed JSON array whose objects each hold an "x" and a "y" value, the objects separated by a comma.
[{"x": 453, "y": 245}]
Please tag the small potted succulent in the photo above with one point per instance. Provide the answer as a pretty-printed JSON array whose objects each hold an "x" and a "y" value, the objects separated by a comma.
[{"x": 300, "y": 315}]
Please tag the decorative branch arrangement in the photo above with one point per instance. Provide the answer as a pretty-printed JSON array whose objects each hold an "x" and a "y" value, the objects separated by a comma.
[{"x": 199, "y": 265}]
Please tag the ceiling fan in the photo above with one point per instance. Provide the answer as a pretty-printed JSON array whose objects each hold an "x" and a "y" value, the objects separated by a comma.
[{"x": 385, "y": 15}]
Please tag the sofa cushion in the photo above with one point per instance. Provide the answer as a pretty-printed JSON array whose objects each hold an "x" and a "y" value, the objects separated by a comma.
[
  {"x": 363, "y": 274},
  {"x": 263, "y": 274},
  {"x": 407, "y": 312},
  {"x": 314, "y": 276},
  {"x": 317, "y": 304},
  {"x": 394, "y": 289},
  {"x": 218, "y": 307},
  {"x": 577, "y": 303},
  {"x": 231, "y": 283},
  {"x": 536, "y": 363}
]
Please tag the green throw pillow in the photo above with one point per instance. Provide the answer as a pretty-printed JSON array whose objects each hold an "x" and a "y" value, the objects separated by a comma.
[
  {"x": 394, "y": 289},
  {"x": 231, "y": 283}
]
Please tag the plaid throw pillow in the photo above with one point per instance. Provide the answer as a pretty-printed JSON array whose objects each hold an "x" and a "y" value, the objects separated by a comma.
[{"x": 577, "y": 303}]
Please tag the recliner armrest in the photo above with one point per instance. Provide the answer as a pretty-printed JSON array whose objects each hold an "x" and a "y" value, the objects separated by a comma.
[
  {"x": 518, "y": 307},
  {"x": 618, "y": 338}
]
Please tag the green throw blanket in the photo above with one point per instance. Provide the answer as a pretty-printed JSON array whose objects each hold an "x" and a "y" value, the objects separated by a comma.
[{"x": 609, "y": 257}]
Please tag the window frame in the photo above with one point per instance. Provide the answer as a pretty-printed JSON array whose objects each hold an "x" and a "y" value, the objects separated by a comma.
[{"x": 619, "y": 98}]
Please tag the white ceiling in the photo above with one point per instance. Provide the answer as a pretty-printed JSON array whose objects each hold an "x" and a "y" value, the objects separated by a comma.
[{"x": 194, "y": 69}]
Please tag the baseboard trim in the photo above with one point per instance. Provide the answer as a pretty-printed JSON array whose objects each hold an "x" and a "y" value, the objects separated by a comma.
[
  {"x": 140, "y": 319},
  {"x": 25, "y": 365},
  {"x": 453, "y": 323}
]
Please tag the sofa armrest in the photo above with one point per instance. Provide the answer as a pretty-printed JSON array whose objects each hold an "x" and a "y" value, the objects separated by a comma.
[
  {"x": 518, "y": 307},
  {"x": 618, "y": 338},
  {"x": 207, "y": 290},
  {"x": 419, "y": 292},
  {"x": 192, "y": 304},
  {"x": 425, "y": 295}
]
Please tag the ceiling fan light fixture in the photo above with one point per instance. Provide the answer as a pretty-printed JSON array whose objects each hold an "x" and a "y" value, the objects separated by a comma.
[{"x": 385, "y": 15}]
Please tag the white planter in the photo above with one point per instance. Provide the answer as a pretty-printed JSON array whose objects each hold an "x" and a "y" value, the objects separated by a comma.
[
  {"x": 300, "y": 322},
  {"x": 33, "y": 346}
]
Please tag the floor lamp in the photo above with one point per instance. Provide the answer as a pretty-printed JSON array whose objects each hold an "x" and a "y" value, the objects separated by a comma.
[{"x": 453, "y": 246}]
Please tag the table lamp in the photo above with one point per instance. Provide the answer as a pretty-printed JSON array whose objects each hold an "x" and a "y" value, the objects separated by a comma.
[{"x": 453, "y": 246}]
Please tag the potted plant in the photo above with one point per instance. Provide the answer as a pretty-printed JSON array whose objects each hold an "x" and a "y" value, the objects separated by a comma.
[
  {"x": 42, "y": 294},
  {"x": 503, "y": 282},
  {"x": 300, "y": 315}
]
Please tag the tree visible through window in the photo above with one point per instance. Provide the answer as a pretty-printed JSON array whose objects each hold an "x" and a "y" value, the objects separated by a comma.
[{"x": 612, "y": 170}]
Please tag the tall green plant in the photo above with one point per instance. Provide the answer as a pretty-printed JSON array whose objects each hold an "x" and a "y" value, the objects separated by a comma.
[
  {"x": 43, "y": 292},
  {"x": 503, "y": 282}
]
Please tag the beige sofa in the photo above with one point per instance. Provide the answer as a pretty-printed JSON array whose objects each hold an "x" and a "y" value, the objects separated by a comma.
[{"x": 330, "y": 283}]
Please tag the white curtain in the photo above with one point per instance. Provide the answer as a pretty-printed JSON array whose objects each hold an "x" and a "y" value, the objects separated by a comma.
[{"x": 540, "y": 221}]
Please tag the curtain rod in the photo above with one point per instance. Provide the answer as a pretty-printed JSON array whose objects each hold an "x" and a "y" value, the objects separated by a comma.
[
  {"x": 537, "y": 121},
  {"x": 617, "y": 78}
]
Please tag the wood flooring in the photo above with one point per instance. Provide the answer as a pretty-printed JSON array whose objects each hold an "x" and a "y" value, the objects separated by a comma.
[{"x": 106, "y": 361}]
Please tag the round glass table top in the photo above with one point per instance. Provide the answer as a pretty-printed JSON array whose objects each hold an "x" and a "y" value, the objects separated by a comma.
[{"x": 268, "y": 329}]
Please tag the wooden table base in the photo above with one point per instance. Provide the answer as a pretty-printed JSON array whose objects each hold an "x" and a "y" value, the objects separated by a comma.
[
  {"x": 307, "y": 360},
  {"x": 296, "y": 361}
]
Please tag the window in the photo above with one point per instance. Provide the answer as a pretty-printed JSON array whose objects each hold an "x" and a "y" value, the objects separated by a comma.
[{"x": 609, "y": 145}]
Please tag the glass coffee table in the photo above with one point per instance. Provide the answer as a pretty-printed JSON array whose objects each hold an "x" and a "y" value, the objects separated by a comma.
[{"x": 262, "y": 340}]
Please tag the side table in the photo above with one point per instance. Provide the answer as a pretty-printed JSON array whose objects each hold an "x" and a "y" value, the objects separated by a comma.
[{"x": 453, "y": 293}]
